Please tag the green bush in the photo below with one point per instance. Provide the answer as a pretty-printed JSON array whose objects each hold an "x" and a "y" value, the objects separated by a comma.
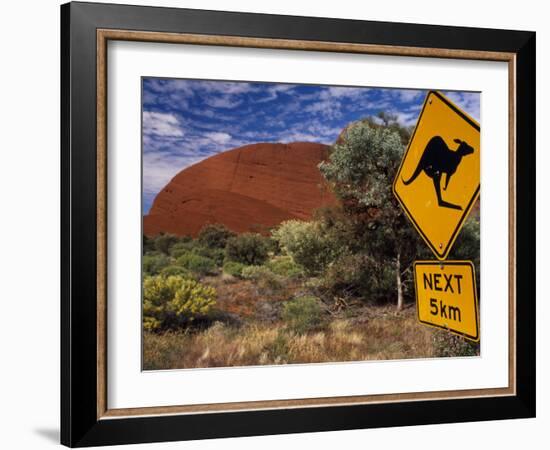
[
  {"x": 174, "y": 270},
  {"x": 163, "y": 242},
  {"x": 247, "y": 248},
  {"x": 264, "y": 278},
  {"x": 214, "y": 235},
  {"x": 467, "y": 245},
  {"x": 447, "y": 344},
  {"x": 200, "y": 265},
  {"x": 308, "y": 244},
  {"x": 215, "y": 254},
  {"x": 360, "y": 275},
  {"x": 174, "y": 301},
  {"x": 148, "y": 244},
  {"x": 285, "y": 267},
  {"x": 153, "y": 263},
  {"x": 234, "y": 268},
  {"x": 303, "y": 314},
  {"x": 181, "y": 248}
]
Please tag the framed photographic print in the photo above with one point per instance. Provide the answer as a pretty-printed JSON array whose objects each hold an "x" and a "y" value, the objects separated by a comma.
[{"x": 276, "y": 224}]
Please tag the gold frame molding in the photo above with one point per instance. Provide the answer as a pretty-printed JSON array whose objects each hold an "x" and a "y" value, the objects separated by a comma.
[{"x": 105, "y": 35}]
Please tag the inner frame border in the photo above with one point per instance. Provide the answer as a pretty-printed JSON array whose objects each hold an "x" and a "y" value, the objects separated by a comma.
[{"x": 103, "y": 36}]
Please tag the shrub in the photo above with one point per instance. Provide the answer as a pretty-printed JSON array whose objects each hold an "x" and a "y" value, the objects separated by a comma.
[
  {"x": 163, "y": 242},
  {"x": 268, "y": 311},
  {"x": 447, "y": 344},
  {"x": 360, "y": 275},
  {"x": 174, "y": 301},
  {"x": 214, "y": 235},
  {"x": 285, "y": 267},
  {"x": 233, "y": 268},
  {"x": 148, "y": 244},
  {"x": 215, "y": 254},
  {"x": 467, "y": 245},
  {"x": 200, "y": 265},
  {"x": 247, "y": 248},
  {"x": 152, "y": 264},
  {"x": 308, "y": 244},
  {"x": 181, "y": 248},
  {"x": 264, "y": 278},
  {"x": 303, "y": 314},
  {"x": 175, "y": 270},
  {"x": 278, "y": 350}
]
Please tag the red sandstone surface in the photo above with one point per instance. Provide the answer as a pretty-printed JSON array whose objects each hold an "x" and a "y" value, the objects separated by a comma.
[{"x": 251, "y": 188}]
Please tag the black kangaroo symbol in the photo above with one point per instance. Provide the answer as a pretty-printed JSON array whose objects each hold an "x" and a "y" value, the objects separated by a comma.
[{"x": 437, "y": 159}]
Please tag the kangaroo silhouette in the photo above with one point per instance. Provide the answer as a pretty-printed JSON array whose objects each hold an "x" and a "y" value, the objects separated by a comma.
[{"x": 438, "y": 159}]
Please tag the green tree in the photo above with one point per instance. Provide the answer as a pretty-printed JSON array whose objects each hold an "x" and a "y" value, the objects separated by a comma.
[
  {"x": 361, "y": 169},
  {"x": 214, "y": 235},
  {"x": 247, "y": 248}
]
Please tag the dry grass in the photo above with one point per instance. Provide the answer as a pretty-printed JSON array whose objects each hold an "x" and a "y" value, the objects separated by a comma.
[{"x": 387, "y": 336}]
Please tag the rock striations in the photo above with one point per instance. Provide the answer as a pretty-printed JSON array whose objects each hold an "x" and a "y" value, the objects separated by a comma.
[{"x": 251, "y": 188}]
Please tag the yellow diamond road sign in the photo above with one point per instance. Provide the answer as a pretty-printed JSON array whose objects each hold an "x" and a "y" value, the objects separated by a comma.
[
  {"x": 437, "y": 183},
  {"x": 446, "y": 296}
]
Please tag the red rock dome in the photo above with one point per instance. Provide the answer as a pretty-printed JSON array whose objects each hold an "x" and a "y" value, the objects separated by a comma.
[{"x": 250, "y": 188}]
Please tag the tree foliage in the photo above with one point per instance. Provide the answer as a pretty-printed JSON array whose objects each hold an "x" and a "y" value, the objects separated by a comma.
[
  {"x": 361, "y": 169},
  {"x": 247, "y": 248},
  {"x": 164, "y": 242},
  {"x": 308, "y": 243},
  {"x": 214, "y": 235}
]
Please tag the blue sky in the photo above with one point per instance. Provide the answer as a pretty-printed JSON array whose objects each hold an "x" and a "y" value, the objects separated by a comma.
[{"x": 186, "y": 121}]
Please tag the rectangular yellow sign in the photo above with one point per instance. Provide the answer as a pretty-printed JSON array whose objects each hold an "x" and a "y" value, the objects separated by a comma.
[{"x": 446, "y": 296}]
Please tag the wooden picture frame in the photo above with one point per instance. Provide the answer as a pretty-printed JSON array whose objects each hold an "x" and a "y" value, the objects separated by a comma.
[{"x": 86, "y": 418}]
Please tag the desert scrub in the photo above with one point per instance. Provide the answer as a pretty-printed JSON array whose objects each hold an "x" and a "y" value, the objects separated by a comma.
[
  {"x": 153, "y": 263},
  {"x": 303, "y": 314},
  {"x": 174, "y": 301},
  {"x": 201, "y": 265},
  {"x": 265, "y": 279},
  {"x": 234, "y": 268},
  {"x": 181, "y": 248},
  {"x": 382, "y": 337},
  {"x": 360, "y": 275},
  {"x": 285, "y": 267},
  {"x": 175, "y": 270},
  {"x": 247, "y": 248},
  {"x": 307, "y": 244},
  {"x": 215, "y": 254},
  {"x": 164, "y": 242},
  {"x": 215, "y": 236},
  {"x": 447, "y": 344}
]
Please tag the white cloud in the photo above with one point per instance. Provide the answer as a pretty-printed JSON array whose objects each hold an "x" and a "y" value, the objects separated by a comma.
[
  {"x": 328, "y": 108},
  {"x": 161, "y": 124},
  {"x": 160, "y": 167},
  {"x": 227, "y": 87},
  {"x": 408, "y": 95},
  {"x": 226, "y": 102},
  {"x": 297, "y": 136},
  {"x": 219, "y": 137},
  {"x": 272, "y": 92},
  {"x": 468, "y": 101},
  {"x": 343, "y": 92},
  {"x": 406, "y": 118}
]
